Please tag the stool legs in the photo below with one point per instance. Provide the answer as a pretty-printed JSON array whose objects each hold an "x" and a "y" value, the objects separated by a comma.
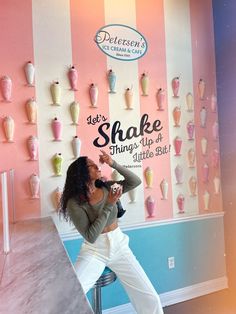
[{"x": 97, "y": 300}]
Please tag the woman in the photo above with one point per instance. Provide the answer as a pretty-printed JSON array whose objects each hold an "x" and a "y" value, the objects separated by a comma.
[{"x": 92, "y": 209}]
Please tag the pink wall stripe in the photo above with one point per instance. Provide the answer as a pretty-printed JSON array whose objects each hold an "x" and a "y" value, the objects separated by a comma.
[
  {"x": 203, "y": 57},
  {"x": 154, "y": 62},
  {"x": 91, "y": 64},
  {"x": 16, "y": 50}
]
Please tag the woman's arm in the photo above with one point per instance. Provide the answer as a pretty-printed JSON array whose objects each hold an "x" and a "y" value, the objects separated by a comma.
[{"x": 79, "y": 217}]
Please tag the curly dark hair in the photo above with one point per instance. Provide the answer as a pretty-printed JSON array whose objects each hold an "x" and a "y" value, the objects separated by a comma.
[{"x": 76, "y": 185}]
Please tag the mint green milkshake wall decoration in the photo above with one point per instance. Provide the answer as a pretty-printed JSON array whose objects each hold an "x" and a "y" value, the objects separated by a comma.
[
  {"x": 74, "y": 112},
  {"x": 57, "y": 161},
  {"x": 111, "y": 76},
  {"x": 145, "y": 84}
]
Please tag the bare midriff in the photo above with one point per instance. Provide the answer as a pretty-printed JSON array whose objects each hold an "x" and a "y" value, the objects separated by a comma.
[{"x": 111, "y": 227}]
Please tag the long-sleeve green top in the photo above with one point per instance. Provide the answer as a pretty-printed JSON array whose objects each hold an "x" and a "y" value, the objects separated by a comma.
[{"x": 90, "y": 220}]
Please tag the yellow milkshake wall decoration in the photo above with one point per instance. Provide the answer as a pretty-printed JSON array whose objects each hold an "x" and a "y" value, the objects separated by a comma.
[
  {"x": 129, "y": 98},
  {"x": 6, "y": 88},
  {"x": 206, "y": 200},
  {"x": 149, "y": 175},
  {"x": 189, "y": 102},
  {"x": 192, "y": 183},
  {"x": 29, "y": 73},
  {"x": 93, "y": 94},
  {"x": 145, "y": 84},
  {"x": 57, "y": 161},
  {"x": 31, "y": 111},
  {"x": 9, "y": 128},
  {"x": 74, "y": 112},
  {"x": 55, "y": 89}
]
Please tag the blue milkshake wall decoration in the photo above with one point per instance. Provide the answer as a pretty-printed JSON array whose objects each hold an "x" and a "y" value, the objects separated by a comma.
[{"x": 111, "y": 76}]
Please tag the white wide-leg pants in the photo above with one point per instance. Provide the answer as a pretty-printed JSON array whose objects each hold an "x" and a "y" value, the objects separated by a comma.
[{"x": 111, "y": 249}]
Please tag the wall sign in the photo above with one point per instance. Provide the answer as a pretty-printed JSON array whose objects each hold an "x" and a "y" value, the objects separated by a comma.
[{"x": 121, "y": 42}]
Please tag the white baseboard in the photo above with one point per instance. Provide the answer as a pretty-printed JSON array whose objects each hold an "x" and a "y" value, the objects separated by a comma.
[{"x": 179, "y": 295}]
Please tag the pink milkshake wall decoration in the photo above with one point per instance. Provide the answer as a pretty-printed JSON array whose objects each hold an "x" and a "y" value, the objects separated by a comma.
[
  {"x": 213, "y": 103},
  {"x": 215, "y": 131},
  {"x": 56, "y": 129},
  {"x": 93, "y": 94},
  {"x": 74, "y": 112},
  {"x": 164, "y": 189},
  {"x": 180, "y": 203},
  {"x": 34, "y": 182},
  {"x": 129, "y": 98},
  {"x": 73, "y": 78},
  {"x": 191, "y": 158},
  {"x": 76, "y": 146},
  {"x": 204, "y": 143},
  {"x": 189, "y": 102},
  {"x": 149, "y": 177},
  {"x": 175, "y": 86},
  {"x": 177, "y": 145},
  {"x": 31, "y": 111},
  {"x": 57, "y": 161},
  {"x": 205, "y": 172},
  {"x": 201, "y": 89},
  {"x": 190, "y": 130},
  {"x": 160, "y": 99},
  {"x": 215, "y": 158},
  {"x": 203, "y": 117},
  {"x": 192, "y": 185},
  {"x": 150, "y": 206},
  {"x": 9, "y": 127},
  {"x": 111, "y": 77},
  {"x": 6, "y": 88},
  {"x": 176, "y": 116},
  {"x": 29, "y": 73},
  {"x": 145, "y": 84},
  {"x": 55, "y": 89},
  {"x": 179, "y": 174},
  {"x": 32, "y": 144}
]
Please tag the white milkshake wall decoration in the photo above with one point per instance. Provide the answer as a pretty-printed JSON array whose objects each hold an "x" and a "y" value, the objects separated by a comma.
[
  {"x": 6, "y": 88},
  {"x": 29, "y": 73},
  {"x": 76, "y": 146},
  {"x": 164, "y": 189},
  {"x": 55, "y": 89},
  {"x": 93, "y": 94},
  {"x": 73, "y": 78},
  {"x": 32, "y": 144}
]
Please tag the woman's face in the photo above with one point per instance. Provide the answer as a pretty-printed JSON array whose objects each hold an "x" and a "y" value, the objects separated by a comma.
[{"x": 94, "y": 171}]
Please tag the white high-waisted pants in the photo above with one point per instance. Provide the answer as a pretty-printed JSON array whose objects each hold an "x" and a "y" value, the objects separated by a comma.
[{"x": 111, "y": 249}]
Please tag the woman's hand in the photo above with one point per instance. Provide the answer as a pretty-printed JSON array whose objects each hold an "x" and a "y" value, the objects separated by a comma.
[
  {"x": 105, "y": 158},
  {"x": 114, "y": 196}
]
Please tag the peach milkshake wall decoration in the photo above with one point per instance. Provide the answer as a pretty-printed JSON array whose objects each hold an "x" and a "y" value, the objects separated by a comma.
[
  {"x": 9, "y": 128},
  {"x": 176, "y": 116},
  {"x": 180, "y": 203},
  {"x": 111, "y": 77},
  {"x": 55, "y": 89},
  {"x": 189, "y": 102},
  {"x": 203, "y": 117},
  {"x": 177, "y": 145},
  {"x": 205, "y": 172},
  {"x": 145, "y": 84},
  {"x": 57, "y": 198},
  {"x": 164, "y": 189},
  {"x": 149, "y": 175},
  {"x": 56, "y": 129},
  {"x": 206, "y": 200},
  {"x": 175, "y": 86},
  {"x": 29, "y": 73},
  {"x": 191, "y": 158},
  {"x": 204, "y": 145},
  {"x": 150, "y": 206},
  {"x": 192, "y": 185},
  {"x": 31, "y": 111},
  {"x": 190, "y": 130},
  {"x": 93, "y": 94},
  {"x": 73, "y": 78},
  {"x": 32, "y": 144},
  {"x": 74, "y": 112},
  {"x": 129, "y": 98},
  {"x": 76, "y": 146},
  {"x": 217, "y": 184},
  {"x": 57, "y": 161},
  {"x": 213, "y": 103},
  {"x": 6, "y": 88},
  {"x": 160, "y": 99},
  {"x": 34, "y": 182},
  {"x": 201, "y": 89}
]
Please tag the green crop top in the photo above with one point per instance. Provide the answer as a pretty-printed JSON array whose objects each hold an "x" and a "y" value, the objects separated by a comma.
[{"x": 90, "y": 220}]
